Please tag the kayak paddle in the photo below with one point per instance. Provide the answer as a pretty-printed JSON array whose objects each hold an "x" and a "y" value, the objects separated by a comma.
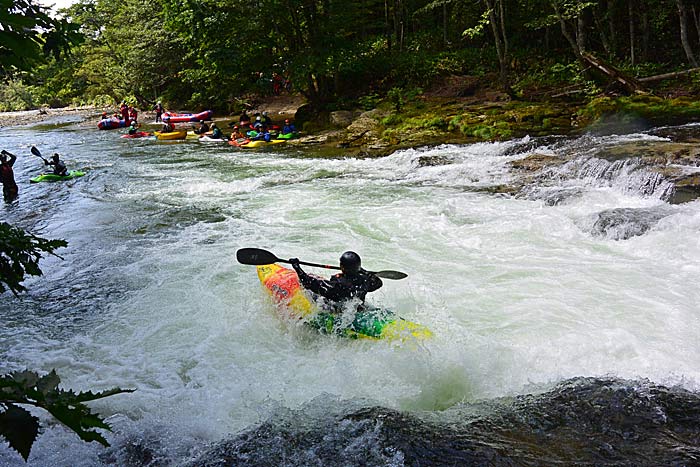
[
  {"x": 258, "y": 257},
  {"x": 37, "y": 153}
]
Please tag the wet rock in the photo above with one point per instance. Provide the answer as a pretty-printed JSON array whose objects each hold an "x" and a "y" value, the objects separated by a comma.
[
  {"x": 341, "y": 118},
  {"x": 624, "y": 223},
  {"x": 365, "y": 129},
  {"x": 535, "y": 162},
  {"x": 432, "y": 161},
  {"x": 583, "y": 421},
  {"x": 687, "y": 188}
]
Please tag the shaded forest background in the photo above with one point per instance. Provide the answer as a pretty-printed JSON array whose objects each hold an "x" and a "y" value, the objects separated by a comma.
[{"x": 218, "y": 54}]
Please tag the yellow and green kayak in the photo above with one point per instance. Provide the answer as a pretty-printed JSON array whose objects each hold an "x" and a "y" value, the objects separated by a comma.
[{"x": 370, "y": 323}]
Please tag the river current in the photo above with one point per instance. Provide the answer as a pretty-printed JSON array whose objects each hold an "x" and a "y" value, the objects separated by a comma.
[{"x": 554, "y": 342}]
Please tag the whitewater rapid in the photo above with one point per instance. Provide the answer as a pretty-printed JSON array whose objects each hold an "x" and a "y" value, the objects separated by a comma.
[{"x": 520, "y": 294}]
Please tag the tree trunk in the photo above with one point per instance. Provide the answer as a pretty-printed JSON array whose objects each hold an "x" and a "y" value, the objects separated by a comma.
[
  {"x": 581, "y": 30},
  {"x": 605, "y": 42},
  {"x": 444, "y": 24},
  {"x": 630, "y": 10},
  {"x": 564, "y": 28},
  {"x": 696, "y": 20},
  {"x": 644, "y": 53},
  {"x": 497, "y": 28},
  {"x": 683, "y": 17},
  {"x": 387, "y": 25}
]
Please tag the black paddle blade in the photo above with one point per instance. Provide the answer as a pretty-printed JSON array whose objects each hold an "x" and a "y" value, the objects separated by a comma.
[
  {"x": 255, "y": 256},
  {"x": 393, "y": 275},
  {"x": 35, "y": 151}
]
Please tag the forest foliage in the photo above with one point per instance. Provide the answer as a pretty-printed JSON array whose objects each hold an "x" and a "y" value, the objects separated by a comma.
[{"x": 216, "y": 53}]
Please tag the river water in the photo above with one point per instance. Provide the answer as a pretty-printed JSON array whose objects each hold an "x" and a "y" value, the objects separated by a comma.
[{"x": 537, "y": 314}]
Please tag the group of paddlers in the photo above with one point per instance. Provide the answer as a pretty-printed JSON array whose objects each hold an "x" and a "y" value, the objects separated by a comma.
[{"x": 262, "y": 128}]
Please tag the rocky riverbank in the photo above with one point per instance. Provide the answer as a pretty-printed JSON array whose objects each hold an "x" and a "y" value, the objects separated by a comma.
[{"x": 433, "y": 119}]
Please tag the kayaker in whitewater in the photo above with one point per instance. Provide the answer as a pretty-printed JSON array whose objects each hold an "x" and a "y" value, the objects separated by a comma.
[
  {"x": 203, "y": 128},
  {"x": 59, "y": 168},
  {"x": 7, "y": 176},
  {"x": 352, "y": 283},
  {"x": 168, "y": 127}
]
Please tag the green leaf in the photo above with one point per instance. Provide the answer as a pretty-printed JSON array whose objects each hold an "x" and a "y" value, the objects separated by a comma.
[{"x": 19, "y": 428}]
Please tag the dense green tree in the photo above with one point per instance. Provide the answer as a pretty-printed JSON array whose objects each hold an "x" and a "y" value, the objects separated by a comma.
[{"x": 27, "y": 33}]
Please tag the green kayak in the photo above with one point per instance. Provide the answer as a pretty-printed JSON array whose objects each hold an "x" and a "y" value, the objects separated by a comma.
[{"x": 56, "y": 178}]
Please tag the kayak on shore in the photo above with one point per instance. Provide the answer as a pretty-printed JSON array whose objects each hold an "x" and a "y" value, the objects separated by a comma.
[
  {"x": 172, "y": 117},
  {"x": 111, "y": 123}
]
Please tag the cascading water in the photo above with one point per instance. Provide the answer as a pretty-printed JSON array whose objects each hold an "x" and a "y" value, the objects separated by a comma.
[{"x": 559, "y": 311}]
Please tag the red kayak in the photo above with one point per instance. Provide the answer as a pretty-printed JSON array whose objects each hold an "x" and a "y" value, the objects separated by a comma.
[
  {"x": 138, "y": 134},
  {"x": 171, "y": 117}
]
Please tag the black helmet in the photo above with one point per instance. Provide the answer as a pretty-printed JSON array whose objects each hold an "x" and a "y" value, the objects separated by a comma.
[{"x": 350, "y": 262}]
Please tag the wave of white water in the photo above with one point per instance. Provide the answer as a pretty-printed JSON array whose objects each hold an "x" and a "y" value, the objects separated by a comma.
[{"x": 519, "y": 294}]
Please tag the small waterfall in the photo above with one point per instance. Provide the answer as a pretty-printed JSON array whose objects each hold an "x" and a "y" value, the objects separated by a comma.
[
  {"x": 556, "y": 184},
  {"x": 629, "y": 176}
]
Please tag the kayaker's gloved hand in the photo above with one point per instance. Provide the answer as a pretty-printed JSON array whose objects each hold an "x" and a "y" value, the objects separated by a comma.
[{"x": 295, "y": 263}]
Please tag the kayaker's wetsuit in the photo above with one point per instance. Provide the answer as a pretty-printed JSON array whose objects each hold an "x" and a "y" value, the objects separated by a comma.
[
  {"x": 340, "y": 287},
  {"x": 7, "y": 176}
]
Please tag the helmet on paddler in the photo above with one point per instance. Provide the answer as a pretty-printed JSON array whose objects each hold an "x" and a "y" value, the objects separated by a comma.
[{"x": 350, "y": 262}]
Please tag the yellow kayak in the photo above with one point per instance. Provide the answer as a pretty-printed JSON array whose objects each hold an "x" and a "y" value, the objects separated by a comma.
[
  {"x": 371, "y": 323},
  {"x": 182, "y": 134}
]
